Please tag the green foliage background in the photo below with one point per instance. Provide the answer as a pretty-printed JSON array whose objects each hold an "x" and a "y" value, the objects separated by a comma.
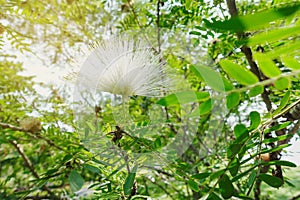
[{"x": 244, "y": 51}]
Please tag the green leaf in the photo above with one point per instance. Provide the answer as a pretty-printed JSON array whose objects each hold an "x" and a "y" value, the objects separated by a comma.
[
  {"x": 227, "y": 84},
  {"x": 242, "y": 152},
  {"x": 183, "y": 98},
  {"x": 272, "y": 181},
  {"x": 226, "y": 187},
  {"x": 287, "y": 49},
  {"x": 232, "y": 100},
  {"x": 205, "y": 107},
  {"x": 241, "y": 133},
  {"x": 256, "y": 90},
  {"x": 193, "y": 185},
  {"x": 201, "y": 176},
  {"x": 281, "y": 163},
  {"x": 92, "y": 168},
  {"x": 242, "y": 196},
  {"x": 129, "y": 181},
  {"x": 252, "y": 178},
  {"x": 212, "y": 78},
  {"x": 282, "y": 83},
  {"x": 276, "y": 148},
  {"x": 238, "y": 72},
  {"x": 234, "y": 167},
  {"x": 285, "y": 99},
  {"x": 50, "y": 172},
  {"x": 240, "y": 175},
  {"x": 289, "y": 183},
  {"x": 291, "y": 62},
  {"x": 213, "y": 196},
  {"x": 253, "y": 21},
  {"x": 274, "y": 35},
  {"x": 195, "y": 33},
  {"x": 188, "y": 4},
  {"x": 233, "y": 149},
  {"x": 279, "y": 138},
  {"x": 157, "y": 143},
  {"x": 101, "y": 162},
  {"x": 278, "y": 127},
  {"x": 67, "y": 158},
  {"x": 75, "y": 180},
  {"x": 217, "y": 174},
  {"x": 267, "y": 66},
  {"x": 255, "y": 120}
]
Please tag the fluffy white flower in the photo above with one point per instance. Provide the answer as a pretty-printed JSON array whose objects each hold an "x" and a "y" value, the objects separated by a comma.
[{"x": 124, "y": 66}]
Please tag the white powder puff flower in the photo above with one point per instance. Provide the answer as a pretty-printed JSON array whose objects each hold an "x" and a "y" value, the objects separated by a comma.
[{"x": 125, "y": 67}]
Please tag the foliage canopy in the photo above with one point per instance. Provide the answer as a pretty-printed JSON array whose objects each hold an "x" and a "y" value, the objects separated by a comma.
[{"x": 218, "y": 134}]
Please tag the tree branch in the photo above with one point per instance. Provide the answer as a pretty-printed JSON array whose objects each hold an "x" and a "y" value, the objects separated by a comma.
[
  {"x": 140, "y": 25},
  {"x": 25, "y": 158},
  {"x": 296, "y": 197},
  {"x": 232, "y": 7},
  {"x": 158, "y": 170},
  {"x": 16, "y": 128},
  {"x": 12, "y": 127},
  {"x": 28, "y": 163},
  {"x": 248, "y": 53},
  {"x": 231, "y": 4}
]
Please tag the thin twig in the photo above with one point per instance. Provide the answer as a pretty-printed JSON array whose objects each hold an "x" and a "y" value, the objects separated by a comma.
[
  {"x": 158, "y": 170},
  {"x": 158, "y": 25},
  {"x": 162, "y": 188},
  {"x": 139, "y": 24}
]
